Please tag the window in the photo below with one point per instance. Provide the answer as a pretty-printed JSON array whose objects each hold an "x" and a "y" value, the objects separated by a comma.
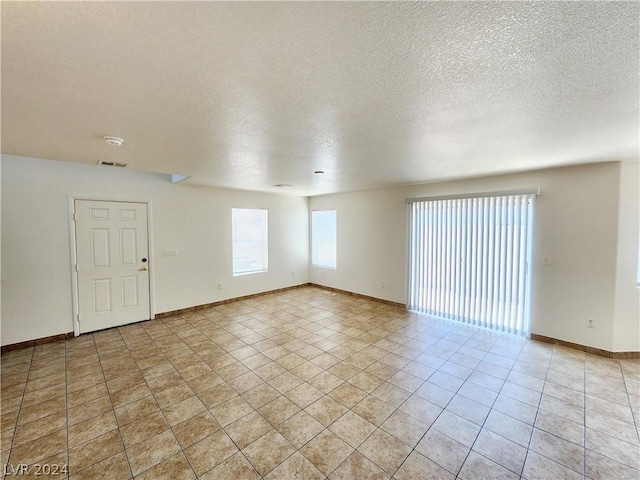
[
  {"x": 249, "y": 238},
  {"x": 323, "y": 238},
  {"x": 468, "y": 259}
]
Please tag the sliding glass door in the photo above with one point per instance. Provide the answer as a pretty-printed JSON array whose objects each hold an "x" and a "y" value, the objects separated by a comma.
[{"x": 469, "y": 258}]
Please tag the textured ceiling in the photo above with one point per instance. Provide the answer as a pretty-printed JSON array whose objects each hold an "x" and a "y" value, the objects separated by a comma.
[{"x": 248, "y": 95}]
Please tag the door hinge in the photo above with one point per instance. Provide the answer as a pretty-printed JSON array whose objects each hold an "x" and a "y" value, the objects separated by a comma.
[
  {"x": 75, "y": 217},
  {"x": 76, "y": 267},
  {"x": 78, "y": 318}
]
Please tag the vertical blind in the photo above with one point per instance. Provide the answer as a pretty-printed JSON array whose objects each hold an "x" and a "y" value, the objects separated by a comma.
[{"x": 469, "y": 257}]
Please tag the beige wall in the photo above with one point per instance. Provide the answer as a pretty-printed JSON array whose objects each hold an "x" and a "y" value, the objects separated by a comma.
[
  {"x": 626, "y": 328},
  {"x": 576, "y": 225},
  {"x": 586, "y": 221},
  {"x": 196, "y": 221}
]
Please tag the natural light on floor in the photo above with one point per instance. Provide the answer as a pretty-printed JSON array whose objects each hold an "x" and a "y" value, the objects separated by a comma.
[{"x": 469, "y": 257}]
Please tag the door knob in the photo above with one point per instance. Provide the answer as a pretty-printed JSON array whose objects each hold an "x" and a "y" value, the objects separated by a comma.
[{"x": 144, "y": 268}]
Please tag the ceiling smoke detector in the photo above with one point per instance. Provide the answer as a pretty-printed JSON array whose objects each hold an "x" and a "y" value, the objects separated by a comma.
[{"x": 114, "y": 141}]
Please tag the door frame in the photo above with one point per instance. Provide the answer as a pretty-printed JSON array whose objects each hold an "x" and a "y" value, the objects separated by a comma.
[{"x": 71, "y": 199}]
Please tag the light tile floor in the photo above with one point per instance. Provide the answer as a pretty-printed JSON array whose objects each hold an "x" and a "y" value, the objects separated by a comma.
[{"x": 312, "y": 384}]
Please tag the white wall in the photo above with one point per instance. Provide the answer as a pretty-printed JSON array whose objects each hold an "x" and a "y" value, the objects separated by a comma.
[
  {"x": 626, "y": 329},
  {"x": 371, "y": 243},
  {"x": 36, "y": 264},
  {"x": 587, "y": 222},
  {"x": 576, "y": 225}
]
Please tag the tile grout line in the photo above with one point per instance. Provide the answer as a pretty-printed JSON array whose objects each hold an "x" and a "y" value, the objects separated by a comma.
[
  {"x": 535, "y": 419},
  {"x": 457, "y": 392},
  {"x": 349, "y": 409},
  {"x": 66, "y": 407},
  {"x": 113, "y": 409},
  {"x": 159, "y": 408},
  {"x": 238, "y": 394},
  {"x": 485, "y": 420},
  {"x": 209, "y": 411},
  {"x": 15, "y": 428},
  {"x": 401, "y": 336},
  {"x": 454, "y": 394},
  {"x": 583, "y": 447},
  {"x": 284, "y": 394},
  {"x": 379, "y": 427},
  {"x": 436, "y": 419},
  {"x": 554, "y": 434},
  {"x": 145, "y": 381},
  {"x": 584, "y": 437},
  {"x": 633, "y": 415}
]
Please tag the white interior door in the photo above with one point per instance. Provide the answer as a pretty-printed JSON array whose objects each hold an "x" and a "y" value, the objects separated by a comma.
[{"x": 112, "y": 254}]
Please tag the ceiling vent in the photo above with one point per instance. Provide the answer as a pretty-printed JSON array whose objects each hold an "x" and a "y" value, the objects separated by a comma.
[{"x": 111, "y": 164}]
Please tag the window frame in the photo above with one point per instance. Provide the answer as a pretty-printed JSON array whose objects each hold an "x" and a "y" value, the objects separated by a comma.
[
  {"x": 234, "y": 242},
  {"x": 334, "y": 266},
  {"x": 453, "y": 237}
]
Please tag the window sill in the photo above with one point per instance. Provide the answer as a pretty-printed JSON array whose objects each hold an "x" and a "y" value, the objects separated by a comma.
[{"x": 242, "y": 274}]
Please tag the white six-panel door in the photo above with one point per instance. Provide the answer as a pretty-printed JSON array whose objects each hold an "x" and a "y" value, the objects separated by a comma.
[{"x": 112, "y": 254}]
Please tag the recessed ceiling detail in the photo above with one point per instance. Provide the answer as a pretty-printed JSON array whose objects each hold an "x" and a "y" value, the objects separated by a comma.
[{"x": 241, "y": 94}]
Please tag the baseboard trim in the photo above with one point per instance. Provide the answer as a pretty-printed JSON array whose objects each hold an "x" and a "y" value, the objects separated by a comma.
[
  {"x": 584, "y": 348},
  {"x": 64, "y": 336},
  {"x": 534, "y": 336},
  {"x": 360, "y": 295},
  {"x": 204, "y": 306},
  {"x": 171, "y": 313},
  {"x": 37, "y": 341}
]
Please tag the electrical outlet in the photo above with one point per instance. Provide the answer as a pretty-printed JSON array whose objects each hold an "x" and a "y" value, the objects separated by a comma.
[
  {"x": 591, "y": 323},
  {"x": 219, "y": 286},
  {"x": 382, "y": 284},
  {"x": 546, "y": 260},
  {"x": 293, "y": 273}
]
